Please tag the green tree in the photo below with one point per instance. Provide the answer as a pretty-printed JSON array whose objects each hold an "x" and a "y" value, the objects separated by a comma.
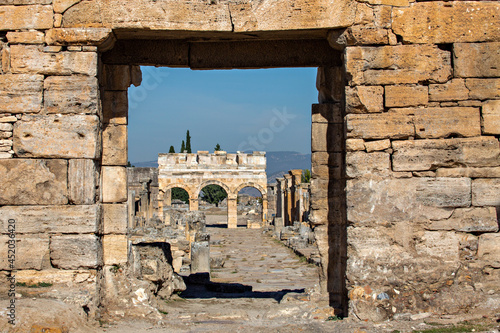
[
  {"x": 130, "y": 165},
  {"x": 180, "y": 194},
  {"x": 217, "y": 147},
  {"x": 213, "y": 194},
  {"x": 306, "y": 176},
  {"x": 171, "y": 150},
  {"x": 183, "y": 146},
  {"x": 188, "y": 142}
]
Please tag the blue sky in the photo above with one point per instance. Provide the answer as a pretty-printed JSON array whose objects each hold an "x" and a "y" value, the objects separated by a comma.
[{"x": 265, "y": 109}]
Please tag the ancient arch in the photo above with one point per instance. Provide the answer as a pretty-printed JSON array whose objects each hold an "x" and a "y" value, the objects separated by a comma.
[{"x": 230, "y": 171}]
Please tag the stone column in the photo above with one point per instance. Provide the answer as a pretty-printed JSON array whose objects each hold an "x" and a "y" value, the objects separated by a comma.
[
  {"x": 288, "y": 200},
  {"x": 193, "y": 204},
  {"x": 264, "y": 209},
  {"x": 232, "y": 212}
]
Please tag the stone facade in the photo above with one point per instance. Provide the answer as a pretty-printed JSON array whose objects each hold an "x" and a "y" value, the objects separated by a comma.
[
  {"x": 292, "y": 199},
  {"x": 192, "y": 172},
  {"x": 405, "y": 150}
]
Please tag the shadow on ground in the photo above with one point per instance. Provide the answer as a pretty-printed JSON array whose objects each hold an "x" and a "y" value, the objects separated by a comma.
[{"x": 199, "y": 286}]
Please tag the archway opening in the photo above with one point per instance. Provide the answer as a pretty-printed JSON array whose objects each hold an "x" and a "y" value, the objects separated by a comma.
[
  {"x": 250, "y": 208},
  {"x": 175, "y": 203},
  {"x": 212, "y": 200}
]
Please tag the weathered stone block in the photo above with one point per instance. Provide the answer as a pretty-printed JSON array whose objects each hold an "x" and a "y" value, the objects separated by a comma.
[
  {"x": 115, "y": 107},
  {"x": 79, "y": 36},
  {"x": 75, "y": 251},
  {"x": 394, "y": 125},
  {"x": 327, "y": 113},
  {"x": 488, "y": 172},
  {"x": 359, "y": 164},
  {"x": 483, "y": 88},
  {"x": 397, "y": 96},
  {"x": 52, "y": 219},
  {"x": 446, "y": 122},
  {"x": 377, "y": 145},
  {"x": 26, "y": 17},
  {"x": 477, "y": 59},
  {"x": 407, "y": 199},
  {"x": 327, "y": 137},
  {"x": 453, "y": 90},
  {"x": 82, "y": 181},
  {"x": 327, "y": 165},
  {"x": 116, "y": 77},
  {"x": 21, "y": 93},
  {"x": 114, "y": 184},
  {"x": 32, "y": 59},
  {"x": 32, "y": 252},
  {"x": 71, "y": 94},
  {"x": 355, "y": 144},
  {"x": 486, "y": 192},
  {"x": 26, "y": 37},
  {"x": 359, "y": 35},
  {"x": 115, "y": 218},
  {"x": 33, "y": 182},
  {"x": 488, "y": 249},
  {"x": 491, "y": 117},
  {"x": 441, "y": 244},
  {"x": 472, "y": 219},
  {"x": 423, "y": 155},
  {"x": 422, "y": 22},
  {"x": 363, "y": 99},
  {"x": 114, "y": 145},
  {"x": 397, "y": 64},
  {"x": 115, "y": 249},
  {"x": 68, "y": 136},
  {"x": 60, "y": 6}
]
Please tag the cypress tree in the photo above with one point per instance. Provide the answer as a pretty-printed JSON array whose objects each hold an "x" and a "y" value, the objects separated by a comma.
[
  {"x": 183, "y": 146},
  {"x": 171, "y": 150},
  {"x": 188, "y": 142}
]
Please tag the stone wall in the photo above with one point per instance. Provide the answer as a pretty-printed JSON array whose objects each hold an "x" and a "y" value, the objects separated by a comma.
[{"x": 405, "y": 152}]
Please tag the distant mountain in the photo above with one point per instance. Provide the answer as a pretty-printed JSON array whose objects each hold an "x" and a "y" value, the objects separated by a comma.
[{"x": 278, "y": 163}]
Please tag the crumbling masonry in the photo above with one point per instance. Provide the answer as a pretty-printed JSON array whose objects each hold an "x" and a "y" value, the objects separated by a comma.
[{"x": 405, "y": 188}]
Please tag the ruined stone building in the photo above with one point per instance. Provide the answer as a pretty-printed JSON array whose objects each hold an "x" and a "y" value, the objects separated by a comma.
[
  {"x": 232, "y": 172},
  {"x": 292, "y": 199},
  {"x": 142, "y": 187},
  {"x": 405, "y": 188}
]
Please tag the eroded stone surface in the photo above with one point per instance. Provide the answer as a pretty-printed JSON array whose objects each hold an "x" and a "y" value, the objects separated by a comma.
[
  {"x": 68, "y": 136},
  {"x": 32, "y": 252},
  {"x": 114, "y": 184},
  {"x": 21, "y": 93},
  {"x": 33, "y": 182},
  {"x": 82, "y": 181},
  {"x": 472, "y": 219},
  {"x": 486, "y": 192},
  {"x": 491, "y": 117},
  {"x": 71, "y": 94},
  {"x": 75, "y": 251},
  {"x": 26, "y": 17}
]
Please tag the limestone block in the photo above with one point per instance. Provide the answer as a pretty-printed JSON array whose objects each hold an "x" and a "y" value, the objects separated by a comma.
[
  {"x": 5, "y": 145},
  {"x": 67, "y": 136},
  {"x": 52, "y": 219},
  {"x": 115, "y": 218},
  {"x": 79, "y": 36},
  {"x": 489, "y": 249},
  {"x": 56, "y": 276},
  {"x": 397, "y": 64},
  {"x": 32, "y": 59},
  {"x": 355, "y": 144},
  {"x": 31, "y": 251},
  {"x": 420, "y": 155},
  {"x": 422, "y": 22},
  {"x": 363, "y": 99},
  {"x": 60, "y": 6},
  {"x": 483, "y": 88},
  {"x": 33, "y": 182},
  {"x": 477, "y": 59},
  {"x": 446, "y": 122},
  {"x": 453, "y": 90},
  {"x": 398, "y": 96},
  {"x": 115, "y": 249},
  {"x": 327, "y": 137},
  {"x": 75, "y": 251},
  {"x": 115, "y": 107},
  {"x": 441, "y": 244},
  {"x": 377, "y": 145},
  {"x": 327, "y": 165},
  {"x": 486, "y": 192},
  {"x": 82, "y": 181},
  {"x": 327, "y": 113},
  {"x": 21, "y": 93},
  {"x": 488, "y": 172},
  {"x": 114, "y": 184},
  {"x": 114, "y": 145},
  {"x": 405, "y": 199},
  {"x": 26, "y": 37},
  {"x": 26, "y": 17},
  {"x": 6, "y": 127},
  {"x": 359, "y": 35},
  {"x": 394, "y": 125},
  {"x": 491, "y": 117},
  {"x": 8, "y": 119},
  {"x": 71, "y": 94},
  {"x": 25, "y": 2},
  {"x": 469, "y": 220},
  {"x": 359, "y": 164},
  {"x": 395, "y": 3},
  {"x": 116, "y": 77}
]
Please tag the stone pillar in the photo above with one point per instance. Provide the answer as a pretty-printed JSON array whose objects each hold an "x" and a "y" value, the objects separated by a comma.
[
  {"x": 232, "y": 211},
  {"x": 193, "y": 204},
  {"x": 264, "y": 209},
  {"x": 280, "y": 200},
  {"x": 168, "y": 197},
  {"x": 200, "y": 253},
  {"x": 288, "y": 200}
]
